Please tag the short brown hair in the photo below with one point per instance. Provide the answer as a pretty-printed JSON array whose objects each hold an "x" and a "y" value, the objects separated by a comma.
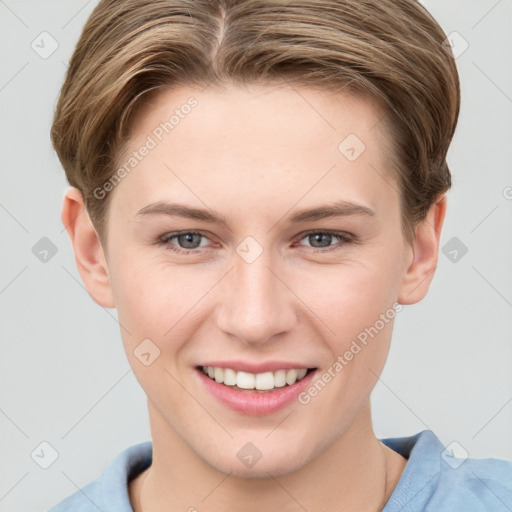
[{"x": 389, "y": 50}]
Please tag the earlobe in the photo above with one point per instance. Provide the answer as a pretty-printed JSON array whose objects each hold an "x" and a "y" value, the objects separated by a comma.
[
  {"x": 89, "y": 255},
  {"x": 418, "y": 276}
]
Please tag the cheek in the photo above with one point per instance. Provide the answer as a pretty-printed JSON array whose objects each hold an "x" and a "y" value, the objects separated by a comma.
[
  {"x": 349, "y": 295},
  {"x": 155, "y": 311},
  {"x": 354, "y": 304},
  {"x": 150, "y": 295},
  {"x": 157, "y": 301},
  {"x": 357, "y": 310}
]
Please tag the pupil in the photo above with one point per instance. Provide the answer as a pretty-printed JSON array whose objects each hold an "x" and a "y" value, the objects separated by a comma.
[
  {"x": 317, "y": 236},
  {"x": 187, "y": 237}
]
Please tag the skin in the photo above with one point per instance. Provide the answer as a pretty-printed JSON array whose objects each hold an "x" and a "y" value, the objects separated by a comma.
[{"x": 256, "y": 155}]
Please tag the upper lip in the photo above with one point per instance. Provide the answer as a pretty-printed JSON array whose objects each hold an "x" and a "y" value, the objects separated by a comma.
[{"x": 251, "y": 367}]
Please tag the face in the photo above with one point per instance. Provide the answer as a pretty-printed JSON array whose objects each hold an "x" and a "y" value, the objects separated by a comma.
[{"x": 213, "y": 261}]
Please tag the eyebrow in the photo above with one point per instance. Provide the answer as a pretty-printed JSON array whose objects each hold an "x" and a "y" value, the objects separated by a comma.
[{"x": 337, "y": 209}]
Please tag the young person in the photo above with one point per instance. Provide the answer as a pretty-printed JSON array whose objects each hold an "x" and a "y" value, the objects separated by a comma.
[{"x": 256, "y": 186}]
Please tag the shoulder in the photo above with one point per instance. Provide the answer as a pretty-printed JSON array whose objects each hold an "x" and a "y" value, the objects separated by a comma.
[
  {"x": 443, "y": 479},
  {"x": 86, "y": 499},
  {"x": 479, "y": 484},
  {"x": 110, "y": 490}
]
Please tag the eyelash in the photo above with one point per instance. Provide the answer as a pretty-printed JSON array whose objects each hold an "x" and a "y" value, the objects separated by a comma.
[{"x": 345, "y": 239}]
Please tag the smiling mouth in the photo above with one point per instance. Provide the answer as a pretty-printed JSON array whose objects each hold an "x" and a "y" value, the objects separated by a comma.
[{"x": 255, "y": 382}]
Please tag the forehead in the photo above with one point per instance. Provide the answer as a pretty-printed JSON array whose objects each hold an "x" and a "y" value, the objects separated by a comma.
[
  {"x": 258, "y": 143},
  {"x": 322, "y": 110}
]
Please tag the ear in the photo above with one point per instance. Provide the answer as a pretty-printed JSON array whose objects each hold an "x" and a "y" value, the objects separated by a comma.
[
  {"x": 89, "y": 256},
  {"x": 425, "y": 248}
]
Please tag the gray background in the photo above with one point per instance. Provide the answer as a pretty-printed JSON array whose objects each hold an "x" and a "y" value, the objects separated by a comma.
[{"x": 64, "y": 375}]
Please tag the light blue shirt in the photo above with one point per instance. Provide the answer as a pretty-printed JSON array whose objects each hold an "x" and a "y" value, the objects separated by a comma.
[{"x": 433, "y": 480}]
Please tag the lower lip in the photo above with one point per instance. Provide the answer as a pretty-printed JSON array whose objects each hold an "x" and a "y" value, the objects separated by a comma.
[{"x": 254, "y": 403}]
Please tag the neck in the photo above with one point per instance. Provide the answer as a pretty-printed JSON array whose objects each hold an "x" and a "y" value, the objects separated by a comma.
[{"x": 356, "y": 473}]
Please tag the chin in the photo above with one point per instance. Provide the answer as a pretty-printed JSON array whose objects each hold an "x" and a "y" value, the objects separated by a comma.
[{"x": 264, "y": 464}]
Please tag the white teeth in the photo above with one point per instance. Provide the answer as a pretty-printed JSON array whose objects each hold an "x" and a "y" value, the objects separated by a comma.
[
  {"x": 219, "y": 375},
  {"x": 291, "y": 376},
  {"x": 264, "y": 381},
  {"x": 245, "y": 380},
  {"x": 280, "y": 378},
  {"x": 260, "y": 381},
  {"x": 301, "y": 373},
  {"x": 229, "y": 377}
]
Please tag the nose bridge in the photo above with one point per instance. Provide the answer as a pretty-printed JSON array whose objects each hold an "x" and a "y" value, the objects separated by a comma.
[{"x": 256, "y": 304}]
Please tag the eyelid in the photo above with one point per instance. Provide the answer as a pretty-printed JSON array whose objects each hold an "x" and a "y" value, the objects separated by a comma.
[
  {"x": 342, "y": 234},
  {"x": 344, "y": 237},
  {"x": 173, "y": 234},
  {"x": 166, "y": 237}
]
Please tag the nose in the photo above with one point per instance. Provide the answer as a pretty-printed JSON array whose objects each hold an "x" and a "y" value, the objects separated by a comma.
[{"x": 256, "y": 302}]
